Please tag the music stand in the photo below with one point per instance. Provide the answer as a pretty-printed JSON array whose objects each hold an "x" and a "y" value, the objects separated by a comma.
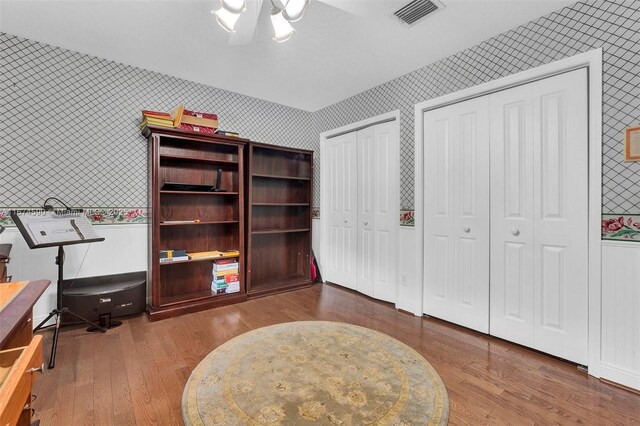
[{"x": 56, "y": 228}]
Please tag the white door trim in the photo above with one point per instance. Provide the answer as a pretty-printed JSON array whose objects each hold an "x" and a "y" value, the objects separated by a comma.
[
  {"x": 592, "y": 60},
  {"x": 324, "y": 186}
]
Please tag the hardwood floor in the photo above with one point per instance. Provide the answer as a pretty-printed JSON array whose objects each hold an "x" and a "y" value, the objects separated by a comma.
[{"x": 135, "y": 374}]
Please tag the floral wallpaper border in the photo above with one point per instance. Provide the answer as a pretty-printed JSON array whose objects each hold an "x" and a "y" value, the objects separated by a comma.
[
  {"x": 621, "y": 227},
  {"x": 98, "y": 216},
  {"x": 407, "y": 218},
  {"x": 615, "y": 226}
]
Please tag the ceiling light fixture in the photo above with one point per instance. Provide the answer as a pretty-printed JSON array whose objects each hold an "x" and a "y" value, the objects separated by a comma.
[
  {"x": 294, "y": 9},
  {"x": 281, "y": 27},
  {"x": 282, "y": 13},
  {"x": 226, "y": 19},
  {"x": 234, "y": 6}
]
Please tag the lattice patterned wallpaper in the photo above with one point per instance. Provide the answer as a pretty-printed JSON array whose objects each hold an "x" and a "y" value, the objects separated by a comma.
[
  {"x": 614, "y": 26},
  {"x": 70, "y": 125},
  {"x": 69, "y": 121}
]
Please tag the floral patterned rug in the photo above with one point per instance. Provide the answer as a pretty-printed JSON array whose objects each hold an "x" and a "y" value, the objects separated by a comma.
[{"x": 314, "y": 372}]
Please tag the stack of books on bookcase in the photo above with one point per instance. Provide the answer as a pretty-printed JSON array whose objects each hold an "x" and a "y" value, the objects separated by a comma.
[
  {"x": 156, "y": 118},
  {"x": 226, "y": 278},
  {"x": 181, "y": 118},
  {"x": 167, "y": 256}
]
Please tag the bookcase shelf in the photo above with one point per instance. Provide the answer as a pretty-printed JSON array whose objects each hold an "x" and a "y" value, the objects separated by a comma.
[
  {"x": 197, "y": 160},
  {"x": 199, "y": 193},
  {"x": 266, "y": 176},
  {"x": 177, "y": 156},
  {"x": 278, "y": 219},
  {"x": 280, "y": 231},
  {"x": 218, "y": 222},
  {"x": 281, "y": 204},
  {"x": 196, "y": 296},
  {"x": 177, "y": 262}
]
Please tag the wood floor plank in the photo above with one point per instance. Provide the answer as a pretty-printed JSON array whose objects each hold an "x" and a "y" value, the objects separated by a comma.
[
  {"x": 489, "y": 381},
  {"x": 123, "y": 413}
]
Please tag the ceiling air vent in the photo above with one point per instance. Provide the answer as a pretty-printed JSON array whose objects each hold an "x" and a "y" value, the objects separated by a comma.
[{"x": 417, "y": 10}]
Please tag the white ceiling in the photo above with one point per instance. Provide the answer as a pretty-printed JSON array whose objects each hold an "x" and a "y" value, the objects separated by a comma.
[{"x": 337, "y": 52}]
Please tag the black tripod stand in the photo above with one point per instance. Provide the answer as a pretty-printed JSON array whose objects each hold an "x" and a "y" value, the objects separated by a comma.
[{"x": 59, "y": 310}]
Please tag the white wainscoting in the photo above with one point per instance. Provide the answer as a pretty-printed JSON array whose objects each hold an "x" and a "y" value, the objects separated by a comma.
[
  {"x": 620, "y": 344},
  {"x": 410, "y": 288},
  {"x": 123, "y": 250},
  {"x": 315, "y": 240}
]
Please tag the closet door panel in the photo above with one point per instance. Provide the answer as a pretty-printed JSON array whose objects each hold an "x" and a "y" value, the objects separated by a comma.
[
  {"x": 342, "y": 211},
  {"x": 439, "y": 142},
  {"x": 560, "y": 215},
  {"x": 471, "y": 214},
  {"x": 511, "y": 292},
  {"x": 366, "y": 199},
  {"x": 386, "y": 205},
  {"x": 457, "y": 213}
]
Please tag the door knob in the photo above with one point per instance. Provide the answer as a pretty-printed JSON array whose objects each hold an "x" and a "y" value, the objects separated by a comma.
[
  {"x": 366, "y": 223},
  {"x": 466, "y": 229},
  {"x": 515, "y": 232},
  {"x": 346, "y": 220}
]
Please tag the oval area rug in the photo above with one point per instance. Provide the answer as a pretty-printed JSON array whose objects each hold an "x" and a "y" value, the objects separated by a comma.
[{"x": 314, "y": 372}]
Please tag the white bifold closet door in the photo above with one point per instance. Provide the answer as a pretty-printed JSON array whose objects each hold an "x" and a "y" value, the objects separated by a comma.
[
  {"x": 539, "y": 215},
  {"x": 377, "y": 211},
  {"x": 363, "y": 210},
  {"x": 456, "y": 206},
  {"x": 506, "y": 219},
  {"x": 343, "y": 218}
]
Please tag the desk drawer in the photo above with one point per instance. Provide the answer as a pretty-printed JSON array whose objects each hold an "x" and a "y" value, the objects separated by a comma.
[{"x": 16, "y": 379}]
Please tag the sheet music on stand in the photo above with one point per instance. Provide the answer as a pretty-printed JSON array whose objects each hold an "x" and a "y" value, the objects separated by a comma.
[{"x": 42, "y": 228}]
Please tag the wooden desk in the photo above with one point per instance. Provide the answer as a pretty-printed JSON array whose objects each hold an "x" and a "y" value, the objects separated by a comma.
[{"x": 20, "y": 351}]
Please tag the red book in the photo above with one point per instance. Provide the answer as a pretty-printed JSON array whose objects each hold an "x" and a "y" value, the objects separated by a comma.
[
  {"x": 197, "y": 129},
  {"x": 231, "y": 278},
  {"x": 225, "y": 261},
  {"x": 206, "y": 115}
]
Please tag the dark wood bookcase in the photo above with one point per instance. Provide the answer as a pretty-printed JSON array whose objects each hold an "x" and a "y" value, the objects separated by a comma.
[
  {"x": 278, "y": 219},
  {"x": 202, "y": 220}
]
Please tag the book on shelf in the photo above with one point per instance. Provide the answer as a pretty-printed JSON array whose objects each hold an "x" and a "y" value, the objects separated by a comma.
[
  {"x": 176, "y": 115},
  {"x": 225, "y": 266},
  {"x": 225, "y": 261},
  {"x": 200, "y": 119},
  {"x": 214, "y": 254},
  {"x": 156, "y": 114},
  {"x": 231, "y": 278},
  {"x": 174, "y": 259},
  {"x": 226, "y": 289},
  {"x": 156, "y": 122},
  {"x": 224, "y": 273},
  {"x": 197, "y": 129},
  {"x": 228, "y": 133},
  {"x": 168, "y": 254}
]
